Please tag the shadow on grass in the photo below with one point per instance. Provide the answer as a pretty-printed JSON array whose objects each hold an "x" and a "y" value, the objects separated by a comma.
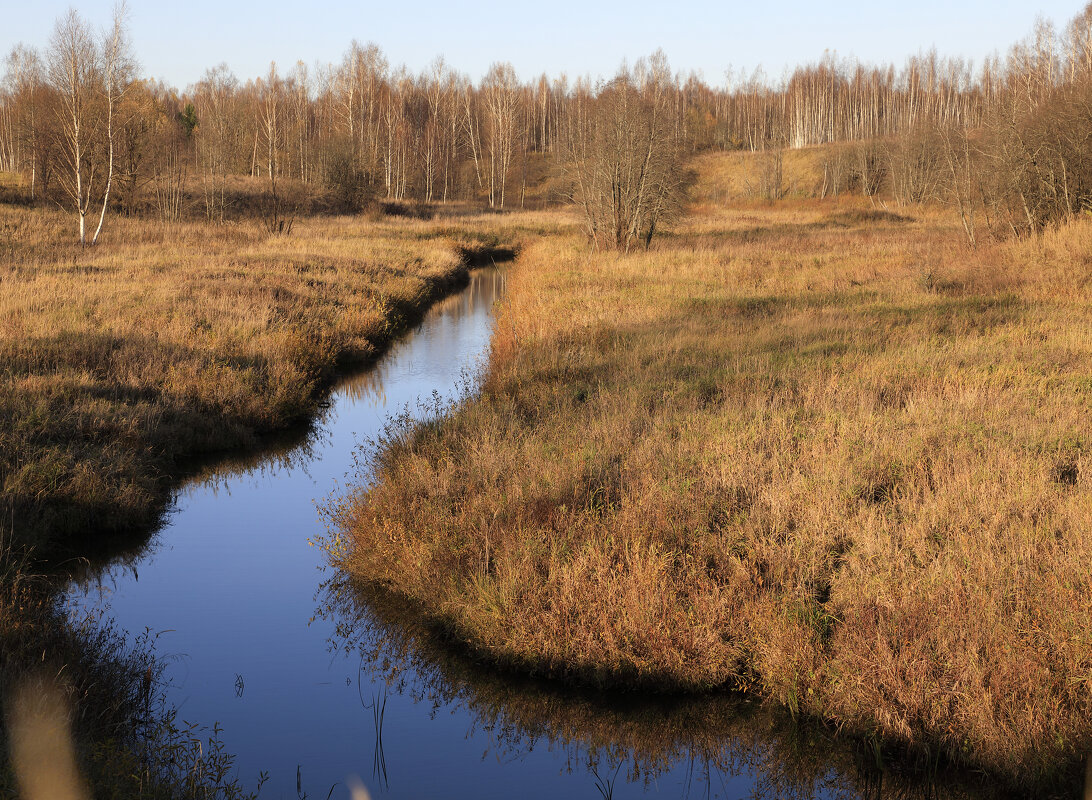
[{"x": 91, "y": 458}]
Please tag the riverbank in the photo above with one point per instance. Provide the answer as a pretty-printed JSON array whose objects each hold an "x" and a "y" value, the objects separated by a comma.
[
  {"x": 629, "y": 737},
  {"x": 120, "y": 364},
  {"x": 814, "y": 451},
  {"x": 191, "y": 340}
]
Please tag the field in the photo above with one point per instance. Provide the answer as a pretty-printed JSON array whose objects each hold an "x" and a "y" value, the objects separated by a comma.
[
  {"x": 820, "y": 452},
  {"x": 817, "y": 451},
  {"x": 120, "y": 364},
  {"x": 124, "y": 368}
]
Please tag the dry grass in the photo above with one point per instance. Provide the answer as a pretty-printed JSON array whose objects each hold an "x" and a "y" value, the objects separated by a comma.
[
  {"x": 119, "y": 362},
  {"x": 636, "y": 739},
  {"x": 737, "y": 176},
  {"x": 806, "y": 450}
]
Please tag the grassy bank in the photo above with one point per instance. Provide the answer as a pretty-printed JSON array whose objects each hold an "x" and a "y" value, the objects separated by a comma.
[
  {"x": 815, "y": 451},
  {"x": 637, "y": 738},
  {"x": 120, "y": 363},
  {"x": 123, "y": 368}
]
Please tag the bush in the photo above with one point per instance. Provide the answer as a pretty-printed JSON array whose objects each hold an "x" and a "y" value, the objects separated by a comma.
[{"x": 349, "y": 183}]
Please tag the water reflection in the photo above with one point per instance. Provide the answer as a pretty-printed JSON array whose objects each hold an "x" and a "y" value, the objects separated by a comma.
[
  {"x": 230, "y": 578},
  {"x": 487, "y": 286},
  {"x": 710, "y": 746},
  {"x": 358, "y": 690}
]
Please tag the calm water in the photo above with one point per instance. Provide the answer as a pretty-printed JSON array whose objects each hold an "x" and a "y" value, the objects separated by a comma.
[{"x": 304, "y": 673}]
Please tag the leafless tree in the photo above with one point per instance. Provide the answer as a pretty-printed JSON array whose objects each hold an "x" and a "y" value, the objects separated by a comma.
[
  {"x": 73, "y": 68},
  {"x": 622, "y": 161},
  {"x": 118, "y": 67},
  {"x": 171, "y": 147},
  {"x": 26, "y": 142},
  {"x": 270, "y": 108},
  {"x": 216, "y": 133},
  {"x": 500, "y": 88}
]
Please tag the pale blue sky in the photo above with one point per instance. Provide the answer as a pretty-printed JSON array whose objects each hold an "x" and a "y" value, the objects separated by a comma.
[{"x": 178, "y": 41}]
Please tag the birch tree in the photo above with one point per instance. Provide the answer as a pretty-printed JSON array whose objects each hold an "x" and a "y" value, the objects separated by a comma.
[
  {"x": 501, "y": 90},
  {"x": 73, "y": 69},
  {"x": 118, "y": 67},
  {"x": 271, "y": 123},
  {"x": 216, "y": 97}
]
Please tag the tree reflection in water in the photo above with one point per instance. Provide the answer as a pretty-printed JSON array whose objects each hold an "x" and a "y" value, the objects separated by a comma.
[{"x": 713, "y": 744}]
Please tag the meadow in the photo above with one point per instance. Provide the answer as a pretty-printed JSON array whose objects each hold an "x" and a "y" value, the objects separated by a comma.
[
  {"x": 820, "y": 452},
  {"x": 126, "y": 368},
  {"x": 817, "y": 451},
  {"x": 123, "y": 363}
]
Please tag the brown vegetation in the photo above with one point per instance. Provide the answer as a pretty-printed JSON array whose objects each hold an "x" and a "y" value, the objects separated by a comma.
[
  {"x": 634, "y": 738},
  {"x": 120, "y": 362},
  {"x": 815, "y": 451}
]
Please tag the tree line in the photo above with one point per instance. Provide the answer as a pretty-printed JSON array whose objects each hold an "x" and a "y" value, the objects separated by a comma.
[{"x": 1003, "y": 143}]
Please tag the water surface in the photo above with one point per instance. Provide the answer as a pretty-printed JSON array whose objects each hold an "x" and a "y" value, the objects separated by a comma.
[{"x": 305, "y": 673}]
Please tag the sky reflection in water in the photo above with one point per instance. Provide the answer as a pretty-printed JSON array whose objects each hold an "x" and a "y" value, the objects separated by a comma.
[{"x": 349, "y": 688}]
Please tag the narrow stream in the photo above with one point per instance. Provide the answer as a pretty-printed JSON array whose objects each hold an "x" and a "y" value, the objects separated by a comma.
[{"x": 304, "y": 674}]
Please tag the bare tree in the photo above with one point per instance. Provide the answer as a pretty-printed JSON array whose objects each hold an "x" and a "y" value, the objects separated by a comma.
[
  {"x": 134, "y": 149},
  {"x": 299, "y": 94},
  {"x": 962, "y": 189},
  {"x": 270, "y": 113},
  {"x": 472, "y": 128},
  {"x": 27, "y": 139},
  {"x": 171, "y": 143},
  {"x": 118, "y": 68},
  {"x": 501, "y": 90},
  {"x": 216, "y": 95},
  {"x": 73, "y": 68},
  {"x": 622, "y": 160}
]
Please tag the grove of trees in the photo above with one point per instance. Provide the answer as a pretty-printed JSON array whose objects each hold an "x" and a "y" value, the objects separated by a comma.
[{"x": 1007, "y": 144}]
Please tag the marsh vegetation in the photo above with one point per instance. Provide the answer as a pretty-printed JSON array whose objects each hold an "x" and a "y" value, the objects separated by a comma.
[
  {"x": 817, "y": 453},
  {"x": 124, "y": 362},
  {"x": 788, "y": 397}
]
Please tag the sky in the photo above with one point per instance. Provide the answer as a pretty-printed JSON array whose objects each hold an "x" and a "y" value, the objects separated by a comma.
[{"x": 177, "y": 42}]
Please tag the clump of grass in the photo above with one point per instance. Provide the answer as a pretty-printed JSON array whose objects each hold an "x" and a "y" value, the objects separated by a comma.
[{"x": 784, "y": 463}]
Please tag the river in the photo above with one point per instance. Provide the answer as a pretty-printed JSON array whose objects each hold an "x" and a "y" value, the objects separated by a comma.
[{"x": 309, "y": 679}]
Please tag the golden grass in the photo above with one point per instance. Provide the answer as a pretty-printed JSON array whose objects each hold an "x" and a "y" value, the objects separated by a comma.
[
  {"x": 119, "y": 362},
  {"x": 808, "y": 450},
  {"x": 636, "y": 739},
  {"x": 736, "y": 176}
]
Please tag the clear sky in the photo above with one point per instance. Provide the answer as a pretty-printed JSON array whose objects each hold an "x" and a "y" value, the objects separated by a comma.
[{"x": 176, "y": 42}]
